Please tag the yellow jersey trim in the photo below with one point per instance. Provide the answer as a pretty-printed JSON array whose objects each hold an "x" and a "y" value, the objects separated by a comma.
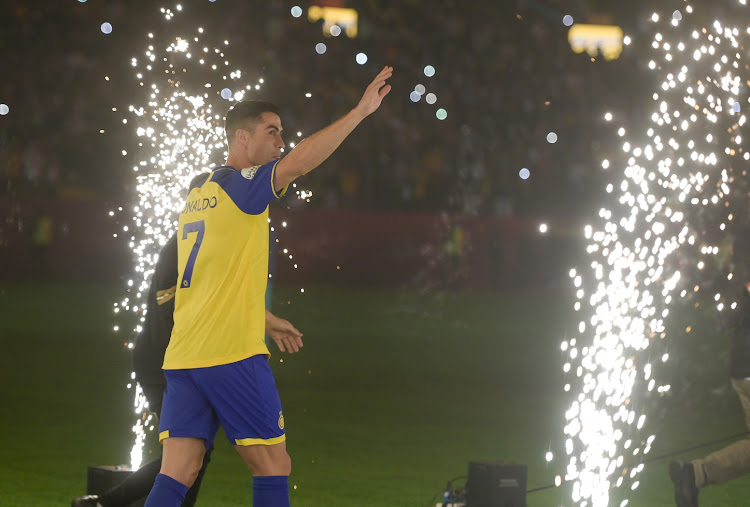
[
  {"x": 260, "y": 441},
  {"x": 163, "y": 436},
  {"x": 273, "y": 187}
]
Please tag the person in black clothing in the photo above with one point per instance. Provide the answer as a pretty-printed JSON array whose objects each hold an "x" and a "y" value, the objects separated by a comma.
[
  {"x": 148, "y": 357},
  {"x": 734, "y": 460}
]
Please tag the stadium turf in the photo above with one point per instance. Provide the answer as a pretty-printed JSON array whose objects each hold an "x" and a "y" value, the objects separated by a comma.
[{"x": 394, "y": 393}]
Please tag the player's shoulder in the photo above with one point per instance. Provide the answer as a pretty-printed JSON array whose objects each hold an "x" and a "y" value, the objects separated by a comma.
[
  {"x": 225, "y": 173},
  {"x": 231, "y": 179},
  {"x": 250, "y": 188},
  {"x": 221, "y": 173},
  {"x": 226, "y": 176},
  {"x": 223, "y": 176}
]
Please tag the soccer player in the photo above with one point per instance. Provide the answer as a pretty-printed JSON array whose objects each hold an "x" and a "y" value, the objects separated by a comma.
[
  {"x": 148, "y": 356},
  {"x": 216, "y": 364}
]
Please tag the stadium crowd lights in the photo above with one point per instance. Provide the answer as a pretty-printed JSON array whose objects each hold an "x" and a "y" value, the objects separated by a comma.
[
  {"x": 683, "y": 163},
  {"x": 186, "y": 89}
]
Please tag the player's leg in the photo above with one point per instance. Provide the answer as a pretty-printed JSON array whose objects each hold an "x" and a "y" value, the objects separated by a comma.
[
  {"x": 192, "y": 495},
  {"x": 264, "y": 460},
  {"x": 182, "y": 458},
  {"x": 245, "y": 399},
  {"x": 187, "y": 428},
  {"x": 183, "y": 464},
  {"x": 155, "y": 395},
  {"x": 270, "y": 466}
]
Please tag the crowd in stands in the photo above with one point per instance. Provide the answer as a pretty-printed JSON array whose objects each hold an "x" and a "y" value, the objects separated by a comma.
[{"x": 504, "y": 73}]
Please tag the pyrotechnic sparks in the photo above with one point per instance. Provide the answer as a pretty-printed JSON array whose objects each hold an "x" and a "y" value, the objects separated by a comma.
[
  {"x": 186, "y": 87},
  {"x": 668, "y": 216},
  {"x": 180, "y": 134}
]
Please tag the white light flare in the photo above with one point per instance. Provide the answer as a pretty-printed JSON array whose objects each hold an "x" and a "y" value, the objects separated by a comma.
[{"x": 643, "y": 248}]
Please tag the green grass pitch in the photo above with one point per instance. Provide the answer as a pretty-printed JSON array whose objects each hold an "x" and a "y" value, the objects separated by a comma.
[{"x": 394, "y": 393}]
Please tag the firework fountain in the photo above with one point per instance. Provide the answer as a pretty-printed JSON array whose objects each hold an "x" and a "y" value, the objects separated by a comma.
[{"x": 668, "y": 210}]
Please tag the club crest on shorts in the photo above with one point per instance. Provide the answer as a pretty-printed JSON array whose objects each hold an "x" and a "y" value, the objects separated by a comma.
[
  {"x": 281, "y": 421},
  {"x": 249, "y": 172}
]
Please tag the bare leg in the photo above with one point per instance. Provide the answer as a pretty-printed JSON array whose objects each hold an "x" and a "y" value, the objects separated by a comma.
[
  {"x": 270, "y": 466},
  {"x": 182, "y": 458},
  {"x": 266, "y": 460}
]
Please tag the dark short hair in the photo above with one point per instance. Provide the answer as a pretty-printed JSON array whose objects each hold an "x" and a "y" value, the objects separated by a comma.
[{"x": 246, "y": 114}]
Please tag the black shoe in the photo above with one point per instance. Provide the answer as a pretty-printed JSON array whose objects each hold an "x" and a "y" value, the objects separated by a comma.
[
  {"x": 86, "y": 501},
  {"x": 683, "y": 479}
]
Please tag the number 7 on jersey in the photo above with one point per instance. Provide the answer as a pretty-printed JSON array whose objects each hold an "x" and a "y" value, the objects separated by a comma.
[{"x": 200, "y": 228}]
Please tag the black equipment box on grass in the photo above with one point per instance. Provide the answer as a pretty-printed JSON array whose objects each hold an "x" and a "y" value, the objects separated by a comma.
[{"x": 496, "y": 484}]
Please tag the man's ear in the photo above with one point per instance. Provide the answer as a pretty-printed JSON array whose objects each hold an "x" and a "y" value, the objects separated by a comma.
[{"x": 240, "y": 136}]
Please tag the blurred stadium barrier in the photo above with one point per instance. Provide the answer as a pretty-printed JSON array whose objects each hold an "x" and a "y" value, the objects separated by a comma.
[{"x": 327, "y": 246}]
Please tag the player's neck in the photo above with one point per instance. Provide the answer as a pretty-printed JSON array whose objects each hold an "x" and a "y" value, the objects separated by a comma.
[{"x": 236, "y": 162}]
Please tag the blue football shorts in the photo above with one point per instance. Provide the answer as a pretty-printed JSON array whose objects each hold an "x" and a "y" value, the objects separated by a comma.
[{"x": 241, "y": 397}]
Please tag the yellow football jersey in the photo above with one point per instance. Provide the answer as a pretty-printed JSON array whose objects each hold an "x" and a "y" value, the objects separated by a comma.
[{"x": 222, "y": 250}]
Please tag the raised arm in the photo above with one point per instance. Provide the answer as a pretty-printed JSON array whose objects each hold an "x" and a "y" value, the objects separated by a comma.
[{"x": 313, "y": 150}]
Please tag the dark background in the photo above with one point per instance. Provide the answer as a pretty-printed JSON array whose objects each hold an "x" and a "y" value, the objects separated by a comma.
[
  {"x": 408, "y": 207},
  {"x": 504, "y": 72}
]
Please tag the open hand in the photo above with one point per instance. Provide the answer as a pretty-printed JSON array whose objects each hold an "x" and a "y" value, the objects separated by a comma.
[
  {"x": 375, "y": 93},
  {"x": 281, "y": 331}
]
